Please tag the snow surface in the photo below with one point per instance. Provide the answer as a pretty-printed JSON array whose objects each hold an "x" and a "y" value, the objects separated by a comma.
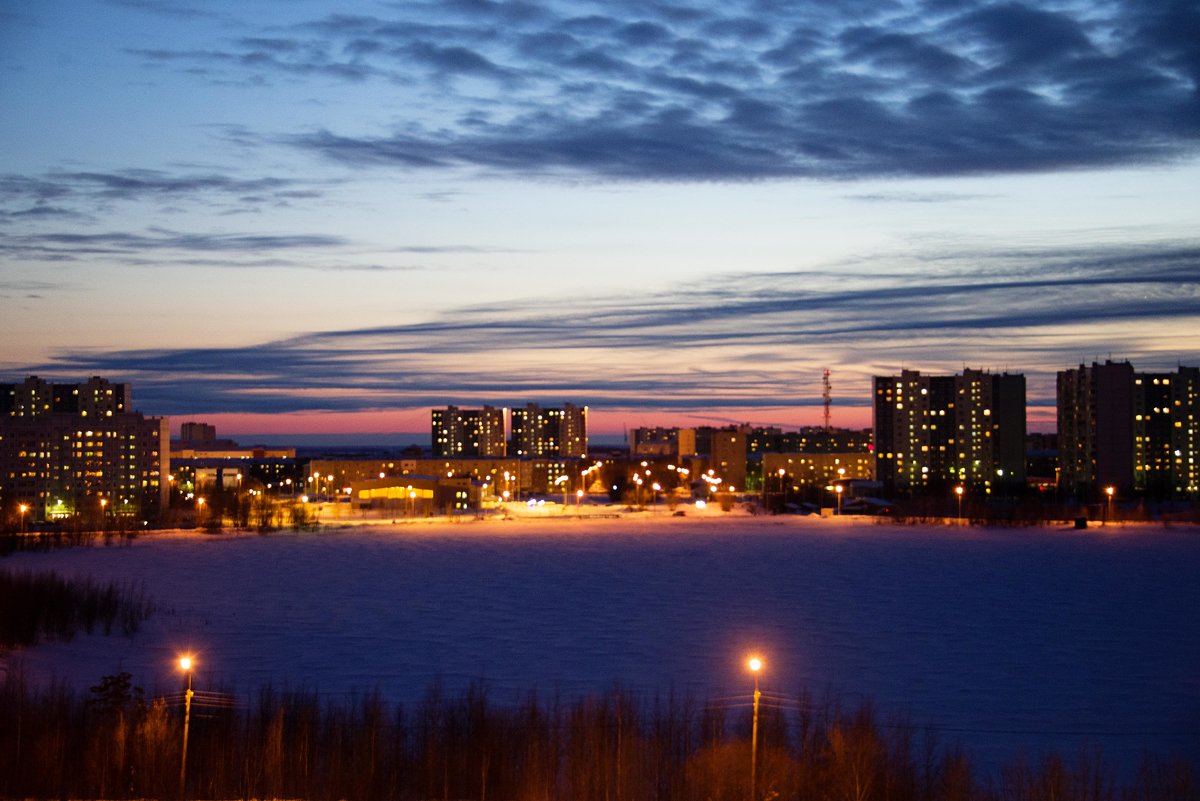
[{"x": 1008, "y": 641}]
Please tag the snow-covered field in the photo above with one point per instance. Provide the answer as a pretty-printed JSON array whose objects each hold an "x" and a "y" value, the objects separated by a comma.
[{"x": 1003, "y": 639}]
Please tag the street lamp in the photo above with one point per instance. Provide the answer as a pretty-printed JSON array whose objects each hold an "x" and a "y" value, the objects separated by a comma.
[
  {"x": 755, "y": 664},
  {"x": 959, "y": 492},
  {"x": 185, "y": 664},
  {"x": 838, "y": 489},
  {"x": 1109, "y": 491}
]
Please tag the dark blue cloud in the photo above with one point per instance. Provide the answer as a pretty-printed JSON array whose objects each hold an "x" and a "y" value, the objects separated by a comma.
[
  {"x": 873, "y": 88},
  {"x": 79, "y": 194},
  {"x": 129, "y": 247}
]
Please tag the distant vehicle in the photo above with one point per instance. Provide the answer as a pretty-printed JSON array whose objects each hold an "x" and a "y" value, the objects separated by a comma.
[{"x": 866, "y": 506}]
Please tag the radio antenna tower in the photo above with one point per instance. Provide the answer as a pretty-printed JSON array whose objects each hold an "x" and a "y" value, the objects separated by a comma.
[{"x": 826, "y": 396}]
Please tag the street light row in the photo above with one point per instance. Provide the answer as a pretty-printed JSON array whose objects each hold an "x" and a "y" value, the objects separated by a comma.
[{"x": 187, "y": 662}]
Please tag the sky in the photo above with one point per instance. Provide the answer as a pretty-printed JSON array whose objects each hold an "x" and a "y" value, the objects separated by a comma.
[{"x": 288, "y": 217}]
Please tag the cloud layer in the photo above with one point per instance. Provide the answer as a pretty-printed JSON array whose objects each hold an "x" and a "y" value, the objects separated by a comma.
[
  {"x": 746, "y": 89},
  {"x": 753, "y": 341}
]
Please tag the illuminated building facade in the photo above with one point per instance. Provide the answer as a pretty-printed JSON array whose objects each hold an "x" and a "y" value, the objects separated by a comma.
[
  {"x": 1127, "y": 430},
  {"x": 989, "y": 430},
  {"x": 416, "y": 495},
  {"x": 78, "y": 451},
  {"x": 914, "y": 431},
  {"x": 468, "y": 432},
  {"x": 541, "y": 431},
  {"x": 807, "y": 470},
  {"x": 1185, "y": 432},
  {"x": 654, "y": 442},
  {"x": 729, "y": 456},
  {"x": 934, "y": 432}
]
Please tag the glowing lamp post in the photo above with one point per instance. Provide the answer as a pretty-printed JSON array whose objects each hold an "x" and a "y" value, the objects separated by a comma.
[
  {"x": 565, "y": 481},
  {"x": 23, "y": 508},
  {"x": 838, "y": 489},
  {"x": 755, "y": 664},
  {"x": 578, "y": 500},
  {"x": 1109, "y": 492},
  {"x": 958, "y": 491},
  {"x": 185, "y": 664}
]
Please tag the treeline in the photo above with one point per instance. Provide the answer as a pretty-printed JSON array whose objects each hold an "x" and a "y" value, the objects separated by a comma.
[
  {"x": 34, "y": 606},
  {"x": 54, "y": 539},
  {"x": 611, "y": 747}
]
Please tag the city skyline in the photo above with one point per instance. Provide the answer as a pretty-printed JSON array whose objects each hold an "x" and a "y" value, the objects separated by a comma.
[{"x": 304, "y": 218}]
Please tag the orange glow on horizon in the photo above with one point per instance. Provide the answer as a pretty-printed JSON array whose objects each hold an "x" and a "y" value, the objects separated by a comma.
[
  {"x": 604, "y": 423},
  {"x": 607, "y": 423}
]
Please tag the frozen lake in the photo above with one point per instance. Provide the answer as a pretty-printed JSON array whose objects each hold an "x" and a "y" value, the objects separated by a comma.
[{"x": 1004, "y": 640}]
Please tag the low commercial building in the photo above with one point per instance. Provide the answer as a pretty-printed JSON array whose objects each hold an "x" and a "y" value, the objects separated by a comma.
[{"x": 416, "y": 495}]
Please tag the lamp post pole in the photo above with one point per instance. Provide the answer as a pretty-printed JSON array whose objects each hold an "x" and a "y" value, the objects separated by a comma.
[
  {"x": 1109, "y": 491},
  {"x": 959, "y": 492},
  {"x": 755, "y": 666},
  {"x": 185, "y": 664}
]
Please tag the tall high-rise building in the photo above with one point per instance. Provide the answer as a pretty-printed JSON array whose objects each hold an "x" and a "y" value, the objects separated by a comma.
[
  {"x": 542, "y": 431},
  {"x": 932, "y": 432},
  {"x": 729, "y": 456},
  {"x": 468, "y": 432},
  {"x": 1130, "y": 431},
  {"x": 71, "y": 450},
  {"x": 1185, "y": 432},
  {"x": 1095, "y": 427},
  {"x": 914, "y": 431},
  {"x": 989, "y": 432}
]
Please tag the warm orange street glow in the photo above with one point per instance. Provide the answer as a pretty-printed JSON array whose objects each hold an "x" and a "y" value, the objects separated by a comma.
[
  {"x": 755, "y": 664},
  {"x": 185, "y": 663}
]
